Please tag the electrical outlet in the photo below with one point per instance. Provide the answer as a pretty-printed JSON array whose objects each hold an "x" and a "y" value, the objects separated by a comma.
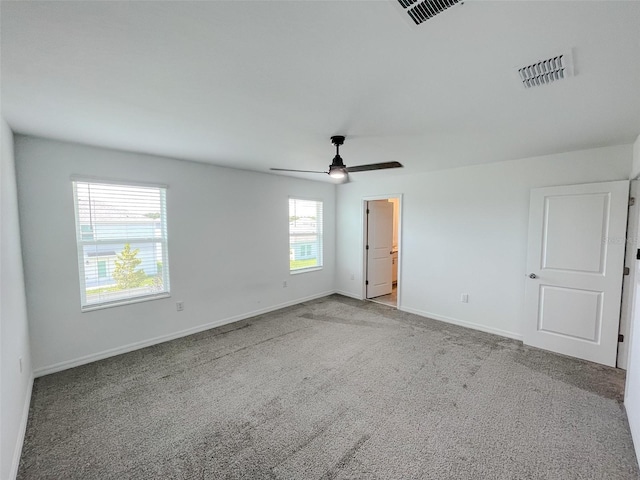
[
  {"x": 20, "y": 363},
  {"x": 464, "y": 298},
  {"x": 284, "y": 284},
  {"x": 179, "y": 306}
]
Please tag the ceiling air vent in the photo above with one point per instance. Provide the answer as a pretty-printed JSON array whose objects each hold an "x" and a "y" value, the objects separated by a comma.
[
  {"x": 421, "y": 11},
  {"x": 547, "y": 71}
]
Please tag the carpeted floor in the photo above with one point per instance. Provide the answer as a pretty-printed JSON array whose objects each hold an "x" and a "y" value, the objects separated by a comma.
[{"x": 331, "y": 389}]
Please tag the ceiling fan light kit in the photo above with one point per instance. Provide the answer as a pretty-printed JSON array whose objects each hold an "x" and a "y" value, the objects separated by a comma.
[{"x": 338, "y": 170}]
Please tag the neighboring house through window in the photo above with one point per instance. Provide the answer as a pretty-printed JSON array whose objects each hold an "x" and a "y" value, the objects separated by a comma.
[
  {"x": 102, "y": 269},
  {"x": 86, "y": 231},
  {"x": 305, "y": 234},
  {"x": 121, "y": 233}
]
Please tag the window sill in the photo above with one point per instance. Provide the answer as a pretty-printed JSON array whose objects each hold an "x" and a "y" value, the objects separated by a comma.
[
  {"x": 304, "y": 270},
  {"x": 119, "y": 303}
]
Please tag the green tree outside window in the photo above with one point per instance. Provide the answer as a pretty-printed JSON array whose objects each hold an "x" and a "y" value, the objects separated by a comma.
[{"x": 125, "y": 273}]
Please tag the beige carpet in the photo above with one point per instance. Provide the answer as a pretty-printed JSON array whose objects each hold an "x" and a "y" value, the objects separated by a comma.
[{"x": 331, "y": 389}]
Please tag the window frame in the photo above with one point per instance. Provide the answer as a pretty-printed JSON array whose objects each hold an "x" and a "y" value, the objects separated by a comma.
[
  {"x": 319, "y": 233},
  {"x": 133, "y": 241}
]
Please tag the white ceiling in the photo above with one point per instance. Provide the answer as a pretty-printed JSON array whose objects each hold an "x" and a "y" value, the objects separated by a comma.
[{"x": 254, "y": 85}]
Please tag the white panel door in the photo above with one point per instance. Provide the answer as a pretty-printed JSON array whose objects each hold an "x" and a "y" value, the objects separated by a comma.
[
  {"x": 575, "y": 262},
  {"x": 380, "y": 244}
]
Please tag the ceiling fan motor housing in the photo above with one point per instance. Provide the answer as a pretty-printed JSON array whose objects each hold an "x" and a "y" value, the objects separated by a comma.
[{"x": 337, "y": 162}]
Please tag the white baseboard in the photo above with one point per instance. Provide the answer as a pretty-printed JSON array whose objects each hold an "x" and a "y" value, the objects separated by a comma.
[
  {"x": 17, "y": 452},
  {"x": 57, "y": 367},
  {"x": 348, "y": 294},
  {"x": 463, "y": 323}
]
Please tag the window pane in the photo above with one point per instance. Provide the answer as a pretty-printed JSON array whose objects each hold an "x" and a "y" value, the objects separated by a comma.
[
  {"x": 305, "y": 234},
  {"x": 121, "y": 232}
]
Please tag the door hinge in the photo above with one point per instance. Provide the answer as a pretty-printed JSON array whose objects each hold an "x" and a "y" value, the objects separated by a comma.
[
  {"x": 626, "y": 271},
  {"x": 367, "y": 211},
  {"x": 366, "y": 282},
  {"x": 632, "y": 201},
  {"x": 620, "y": 338},
  {"x": 638, "y": 254},
  {"x": 368, "y": 248}
]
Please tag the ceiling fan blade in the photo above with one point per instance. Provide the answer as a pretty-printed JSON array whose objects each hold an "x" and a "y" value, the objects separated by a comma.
[
  {"x": 374, "y": 166},
  {"x": 289, "y": 170}
]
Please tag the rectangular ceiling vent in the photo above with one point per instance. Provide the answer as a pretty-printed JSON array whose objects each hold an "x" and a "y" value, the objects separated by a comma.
[
  {"x": 547, "y": 71},
  {"x": 421, "y": 11}
]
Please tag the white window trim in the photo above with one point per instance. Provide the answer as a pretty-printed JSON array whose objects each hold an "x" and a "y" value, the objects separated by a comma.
[
  {"x": 128, "y": 301},
  {"x": 304, "y": 270},
  {"x": 115, "y": 181}
]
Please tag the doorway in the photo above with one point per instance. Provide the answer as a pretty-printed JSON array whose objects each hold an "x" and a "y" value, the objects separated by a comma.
[{"x": 382, "y": 249}]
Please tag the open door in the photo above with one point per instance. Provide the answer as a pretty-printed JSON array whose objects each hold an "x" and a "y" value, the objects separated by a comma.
[
  {"x": 379, "y": 248},
  {"x": 575, "y": 262}
]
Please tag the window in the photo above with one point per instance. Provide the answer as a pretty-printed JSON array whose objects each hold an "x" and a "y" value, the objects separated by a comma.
[
  {"x": 121, "y": 233},
  {"x": 305, "y": 235}
]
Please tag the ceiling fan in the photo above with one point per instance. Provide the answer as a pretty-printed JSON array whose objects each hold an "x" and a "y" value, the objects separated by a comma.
[{"x": 338, "y": 169}]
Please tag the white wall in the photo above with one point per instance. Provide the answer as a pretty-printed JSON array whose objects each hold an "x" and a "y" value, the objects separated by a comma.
[
  {"x": 15, "y": 391},
  {"x": 635, "y": 170},
  {"x": 465, "y": 231},
  {"x": 228, "y": 249},
  {"x": 632, "y": 390}
]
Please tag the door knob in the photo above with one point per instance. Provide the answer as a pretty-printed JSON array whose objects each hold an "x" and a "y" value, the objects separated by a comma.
[{"x": 533, "y": 275}]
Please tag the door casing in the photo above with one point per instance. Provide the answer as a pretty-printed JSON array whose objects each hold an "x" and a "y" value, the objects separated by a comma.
[{"x": 363, "y": 236}]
